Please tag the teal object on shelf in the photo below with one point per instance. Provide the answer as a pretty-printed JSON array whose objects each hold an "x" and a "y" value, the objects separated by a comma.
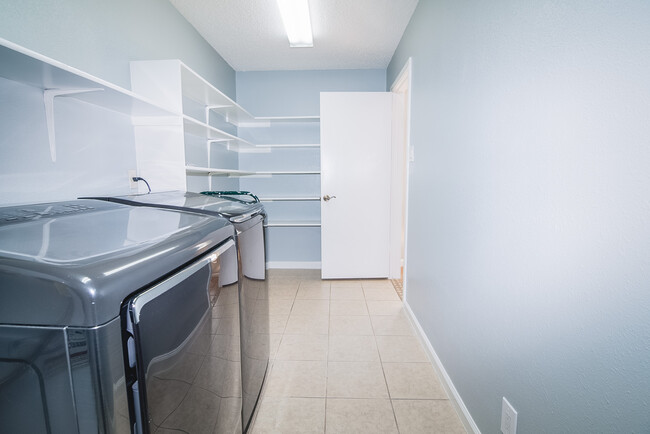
[{"x": 226, "y": 195}]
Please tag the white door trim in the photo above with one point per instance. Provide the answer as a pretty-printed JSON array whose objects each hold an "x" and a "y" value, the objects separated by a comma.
[{"x": 403, "y": 82}]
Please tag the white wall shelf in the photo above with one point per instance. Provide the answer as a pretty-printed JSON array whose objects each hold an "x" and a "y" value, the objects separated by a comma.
[
  {"x": 217, "y": 172},
  {"x": 287, "y": 172},
  {"x": 311, "y": 145},
  {"x": 198, "y": 89},
  {"x": 201, "y": 139},
  {"x": 292, "y": 202},
  {"x": 58, "y": 80},
  {"x": 233, "y": 143},
  {"x": 292, "y": 224},
  {"x": 289, "y": 199},
  {"x": 236, "y": 172},
  {"x": 267, "y": 121},
  {"x": 174, "y": 85},
  {"x": 28, "y": 67},
  {"x": 208, "y": 132},
  {"x": 278, "y": 119}
]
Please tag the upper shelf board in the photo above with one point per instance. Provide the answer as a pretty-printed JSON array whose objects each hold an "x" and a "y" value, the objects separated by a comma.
[
  {"x": 292, "y": 224},
  {"x": 267, "y": 121},
  {"x": 215, "y": 171},
  {"x": 237, "y": 172},
  {"x": 289, "y": 199},
  {"x": 198, "y": 89},
  {"x": 196, "y": 128},
  {"x": 308, "y": 145},
  {"x": 22, "y": 65}
]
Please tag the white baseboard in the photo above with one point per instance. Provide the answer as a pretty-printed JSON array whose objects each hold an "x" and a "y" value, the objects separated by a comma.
[
  {"x": 315, "y": 265},
  {"x": 454, "y": 397}
]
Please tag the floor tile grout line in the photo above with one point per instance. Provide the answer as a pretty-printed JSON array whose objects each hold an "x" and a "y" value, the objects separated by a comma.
[{"x": 381, "y": 362}]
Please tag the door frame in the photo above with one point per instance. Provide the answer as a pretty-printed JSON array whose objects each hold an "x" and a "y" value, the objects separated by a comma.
[{"x": 401, "y": 145}]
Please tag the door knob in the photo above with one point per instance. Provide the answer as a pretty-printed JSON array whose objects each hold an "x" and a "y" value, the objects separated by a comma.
[{"x": 327, "y": 197}]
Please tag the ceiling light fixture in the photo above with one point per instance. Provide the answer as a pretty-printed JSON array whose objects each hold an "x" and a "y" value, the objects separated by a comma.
[{"x": 295, "y": 16}]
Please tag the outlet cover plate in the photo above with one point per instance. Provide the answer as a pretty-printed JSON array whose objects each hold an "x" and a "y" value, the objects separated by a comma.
[
  {"x": 508, "y": 418},
  {"x": 133, "y": 185}
]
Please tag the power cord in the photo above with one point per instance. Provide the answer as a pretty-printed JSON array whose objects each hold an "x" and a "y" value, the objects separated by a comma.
[{"x": 139, "y": 178}]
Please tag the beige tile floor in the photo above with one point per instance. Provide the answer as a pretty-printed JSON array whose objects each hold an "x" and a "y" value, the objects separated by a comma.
[{"x": 345, "y": 359}]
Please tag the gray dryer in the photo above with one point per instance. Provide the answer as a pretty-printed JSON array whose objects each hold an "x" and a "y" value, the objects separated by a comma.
[
  {"x": 247, "y": 215},
  {"x": 105, "y": 319}
]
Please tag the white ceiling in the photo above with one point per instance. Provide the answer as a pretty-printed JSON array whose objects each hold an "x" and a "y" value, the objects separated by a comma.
[{"x": 348, "y": 34}]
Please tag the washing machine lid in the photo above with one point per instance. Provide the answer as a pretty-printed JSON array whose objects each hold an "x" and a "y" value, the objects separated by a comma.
[
  {"x": 235, "y": 210},
  {"x": 73, "y": 263}
]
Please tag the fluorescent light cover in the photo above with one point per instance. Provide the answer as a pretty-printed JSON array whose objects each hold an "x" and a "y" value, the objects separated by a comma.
[{"x": 295, "y": 16}]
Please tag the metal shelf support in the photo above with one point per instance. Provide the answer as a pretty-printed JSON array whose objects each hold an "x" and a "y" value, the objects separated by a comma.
[{"x": 48, "y": 100}]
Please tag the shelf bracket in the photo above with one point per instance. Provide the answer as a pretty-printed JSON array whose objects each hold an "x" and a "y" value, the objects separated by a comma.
[
  {"x": 48, "y": 99},
  {"x": 208, "y": 108},
  {"x": 226, "y": 141}
]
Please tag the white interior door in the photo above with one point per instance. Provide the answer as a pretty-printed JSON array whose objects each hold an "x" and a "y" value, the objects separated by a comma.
[{"x": 356, "y": 176}]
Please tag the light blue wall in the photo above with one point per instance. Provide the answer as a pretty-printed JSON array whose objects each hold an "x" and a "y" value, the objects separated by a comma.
[
  {"x": 529, "y": 220},
  {"x": 101, "y": 37},
  {"x": 292, "y": 93},
  {"x": 297, "y": 93},
  {"x": 94, "y": 148}
]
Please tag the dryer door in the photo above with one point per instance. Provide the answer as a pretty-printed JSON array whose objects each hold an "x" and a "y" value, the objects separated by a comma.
[{"x": 169, "y": 333}]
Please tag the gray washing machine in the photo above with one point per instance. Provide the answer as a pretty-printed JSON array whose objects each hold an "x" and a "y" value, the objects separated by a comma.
[
  {"x": 247, "y": 216},
  {"x": 106, "y": 321}
]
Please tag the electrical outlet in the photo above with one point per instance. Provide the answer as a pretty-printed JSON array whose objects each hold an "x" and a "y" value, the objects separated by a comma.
[
  {"x": 508, "y": 418},
  {"x": 133, "y": 185}
]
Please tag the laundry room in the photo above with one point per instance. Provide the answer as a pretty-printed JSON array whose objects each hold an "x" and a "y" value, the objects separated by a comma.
[{"x": 416, "y": 216}]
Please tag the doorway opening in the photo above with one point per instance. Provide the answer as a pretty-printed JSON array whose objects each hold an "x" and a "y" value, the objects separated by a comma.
[{"x": 402, "y": 154}]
